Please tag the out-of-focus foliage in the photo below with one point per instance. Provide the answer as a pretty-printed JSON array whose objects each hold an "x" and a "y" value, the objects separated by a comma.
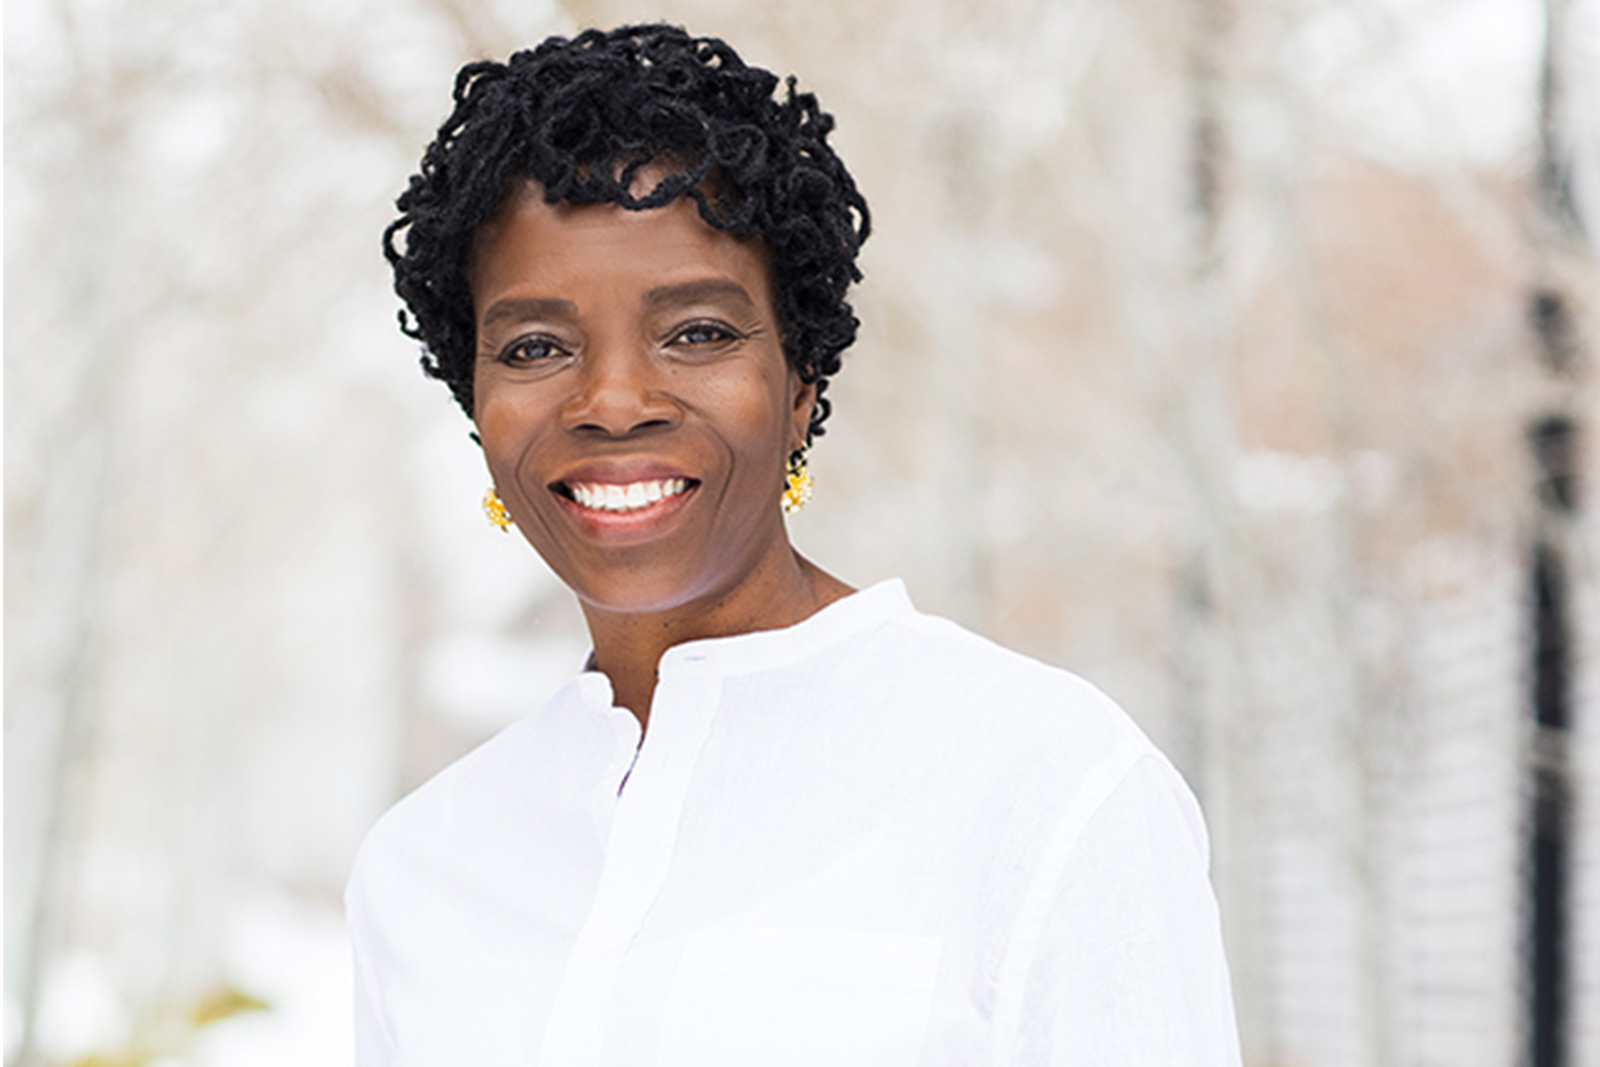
[{"x": 1196, "y": 358}]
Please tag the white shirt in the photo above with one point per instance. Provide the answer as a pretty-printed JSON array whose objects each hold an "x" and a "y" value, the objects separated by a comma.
[{"x": 872, "y": 838}]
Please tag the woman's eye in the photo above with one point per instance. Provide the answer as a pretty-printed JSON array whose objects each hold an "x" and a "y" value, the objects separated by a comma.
[
  {"x": 529, "y": 350},
  {"x": 704, "y": 333}
]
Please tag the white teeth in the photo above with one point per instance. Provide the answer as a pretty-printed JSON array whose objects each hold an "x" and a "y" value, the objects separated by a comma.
[{"x": 606, "y": 496}]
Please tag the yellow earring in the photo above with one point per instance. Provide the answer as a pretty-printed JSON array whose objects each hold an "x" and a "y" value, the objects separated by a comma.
[
  {"x": 496, "y": 510},
  {"x": 797, "y": 484}
]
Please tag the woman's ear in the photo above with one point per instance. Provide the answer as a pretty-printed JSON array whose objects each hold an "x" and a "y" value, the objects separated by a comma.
[{"x": 805, "y": 400}]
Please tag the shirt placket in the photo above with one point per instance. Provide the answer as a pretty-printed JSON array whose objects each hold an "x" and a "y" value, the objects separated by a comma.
[{"x": 638, "y": 852}]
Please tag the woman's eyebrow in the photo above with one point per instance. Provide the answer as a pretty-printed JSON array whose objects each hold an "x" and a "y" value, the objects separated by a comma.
[
  {"x": 528, "y": 308},
  {"x": 698, "y": 291}
]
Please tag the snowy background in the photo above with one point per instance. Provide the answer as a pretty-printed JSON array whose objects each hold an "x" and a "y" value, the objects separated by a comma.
[{"x": 1196, "y": 357}]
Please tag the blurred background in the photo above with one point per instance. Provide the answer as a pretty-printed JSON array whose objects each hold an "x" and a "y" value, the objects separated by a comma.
[{"x": 1237, "y": 354}]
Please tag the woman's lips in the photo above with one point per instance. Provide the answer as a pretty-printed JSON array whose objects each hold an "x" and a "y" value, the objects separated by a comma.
[{"x": 625, "y": 508}]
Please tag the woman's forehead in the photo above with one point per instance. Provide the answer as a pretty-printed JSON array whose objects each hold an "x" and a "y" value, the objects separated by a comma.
[{"x": 529, "y": 242}]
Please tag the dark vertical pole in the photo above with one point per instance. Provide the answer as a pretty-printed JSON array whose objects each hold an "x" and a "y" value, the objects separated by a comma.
[
  {"x": 1550, "y": 829},
  {"x": 1553, "y": 438}
]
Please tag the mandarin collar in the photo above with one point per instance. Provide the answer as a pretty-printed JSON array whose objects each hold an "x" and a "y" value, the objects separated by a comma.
[{"x": 766, "y": 649}]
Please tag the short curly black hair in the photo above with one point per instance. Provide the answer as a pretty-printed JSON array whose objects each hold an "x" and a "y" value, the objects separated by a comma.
[{"x": 580, "y": 116}]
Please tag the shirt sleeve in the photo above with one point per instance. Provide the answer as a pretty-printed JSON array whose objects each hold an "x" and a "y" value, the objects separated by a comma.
[{"x": 1128, "y": 969}]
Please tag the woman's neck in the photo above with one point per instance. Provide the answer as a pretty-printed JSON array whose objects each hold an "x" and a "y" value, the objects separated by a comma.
[{"x": 628, "y": 646}]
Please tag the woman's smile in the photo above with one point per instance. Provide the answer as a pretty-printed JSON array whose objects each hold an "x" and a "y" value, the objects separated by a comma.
[
  {"x": 615, "y": 506},
  {"x": 624, "y": 499}
]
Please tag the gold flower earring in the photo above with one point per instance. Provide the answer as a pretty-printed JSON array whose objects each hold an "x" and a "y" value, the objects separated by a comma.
[
  {"x": 797, "y": 484},
  {"x": 495, "y": 509}
]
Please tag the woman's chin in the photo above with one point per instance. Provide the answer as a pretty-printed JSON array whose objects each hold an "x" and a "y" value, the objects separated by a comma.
[
  {"x": 673, "y": 575},
  {"x": 636, "y": 594}
]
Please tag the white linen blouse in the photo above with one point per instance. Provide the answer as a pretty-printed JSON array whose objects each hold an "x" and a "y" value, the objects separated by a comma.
[{"x": 872, "y": 838}]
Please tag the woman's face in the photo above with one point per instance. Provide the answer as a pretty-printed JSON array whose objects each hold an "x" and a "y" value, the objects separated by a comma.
[{"x": 633, "y": 398}]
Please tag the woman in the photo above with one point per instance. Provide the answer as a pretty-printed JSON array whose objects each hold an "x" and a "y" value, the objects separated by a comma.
[{"x": 776, "y": 820}]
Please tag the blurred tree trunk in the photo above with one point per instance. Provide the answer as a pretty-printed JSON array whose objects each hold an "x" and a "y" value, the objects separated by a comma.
[{"x": 59, "y": 522}]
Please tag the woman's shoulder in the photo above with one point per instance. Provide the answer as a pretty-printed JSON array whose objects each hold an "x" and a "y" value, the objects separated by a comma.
[
  {"x": 515, "y": 770},
  {"x": 960, "y": 691},
  {"x": 958, "y": 668},
  {"x": 1016, "y": 749}
]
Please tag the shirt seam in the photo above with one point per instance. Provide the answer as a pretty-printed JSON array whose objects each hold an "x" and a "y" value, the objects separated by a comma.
[
  {"x": 364, "y": 973},
  {"x": 1106, "y": 778}
]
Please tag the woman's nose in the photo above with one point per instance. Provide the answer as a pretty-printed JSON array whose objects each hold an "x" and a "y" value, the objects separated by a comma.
[{"x": 619, "y": 392}]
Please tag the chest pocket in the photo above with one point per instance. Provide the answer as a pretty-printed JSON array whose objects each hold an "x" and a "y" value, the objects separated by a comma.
[{"x": 777, "y": 996}]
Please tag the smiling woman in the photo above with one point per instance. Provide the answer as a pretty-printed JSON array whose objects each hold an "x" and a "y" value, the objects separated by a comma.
[{"x": 776, "y": 820}]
